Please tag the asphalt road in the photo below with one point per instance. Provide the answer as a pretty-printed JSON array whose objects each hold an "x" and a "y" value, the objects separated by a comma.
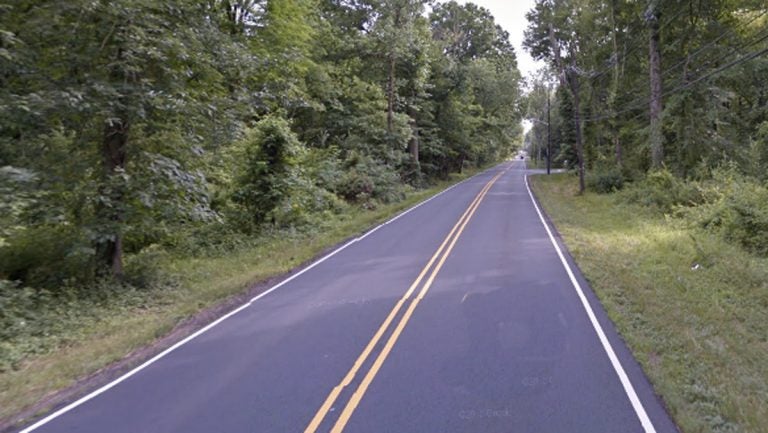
[{"x": 459, "y": 316}]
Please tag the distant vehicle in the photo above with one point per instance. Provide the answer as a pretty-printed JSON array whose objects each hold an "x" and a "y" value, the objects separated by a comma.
[{"x": 522, "y": 157}]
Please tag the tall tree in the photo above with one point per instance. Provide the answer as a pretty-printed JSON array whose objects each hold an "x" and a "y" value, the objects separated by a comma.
[
  {"x": 652, "y": 16},
  {"x": 553, "y": 35}
]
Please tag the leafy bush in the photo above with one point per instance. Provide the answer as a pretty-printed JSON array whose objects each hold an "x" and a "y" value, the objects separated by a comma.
[
  {"x": 305, "y": 203},
  {"x": 47, "y": 255},
  {"x": 662, "y": 190},
  {"x": 605, "y": 181},
  {"x": 20, "y": 317},
  {"x": 271, "y": 149},
  {"x": 209, "y": 240},
  {"x": 144, "y": 270},
  {"x": 16, "y": 196},
  {"x": 737, "y": 207},
  {"x": 366, "y": 181}
]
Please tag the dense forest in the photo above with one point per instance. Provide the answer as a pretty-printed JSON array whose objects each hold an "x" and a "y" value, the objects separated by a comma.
[
  {"x": 667, "y": 95},
  {"x": 142, "y": 123}
]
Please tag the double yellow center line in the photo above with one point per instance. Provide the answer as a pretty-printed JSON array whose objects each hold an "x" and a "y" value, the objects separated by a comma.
[{"x": 449, "y": 241}]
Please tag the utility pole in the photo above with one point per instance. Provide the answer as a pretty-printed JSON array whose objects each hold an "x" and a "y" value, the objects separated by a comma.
[{"x": 549, "y": 134}]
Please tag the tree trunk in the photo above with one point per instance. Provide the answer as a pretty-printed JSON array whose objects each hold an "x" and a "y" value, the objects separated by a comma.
[
  {"x": 413, "y": 143},
  {"x": 549, "y": 132},
  {"x": 574, "y": 82},
  {"x": 615, "y": 88},
  {"x": 413, "y": 146},
  {"x": 113, "y": 151},
  {"x": 391, "y": 94},
  {"x": 656, "y": 133},
  {"x": 391, "y": 78}
]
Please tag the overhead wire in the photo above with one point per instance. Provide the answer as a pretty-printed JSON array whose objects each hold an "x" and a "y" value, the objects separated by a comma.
[
  {"x": 683, "y": 84},
  {"x": 709, "y": 45},
  {"x": 612, "y": 62},
  {"x": 681, "y": 87}
]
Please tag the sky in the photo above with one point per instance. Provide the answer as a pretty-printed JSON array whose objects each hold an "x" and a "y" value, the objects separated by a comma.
[{"x": 510, "y": 15}]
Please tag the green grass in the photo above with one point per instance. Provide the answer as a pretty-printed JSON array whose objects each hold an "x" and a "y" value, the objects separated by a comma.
[
  {"x": 700, "y": 334},
  {"x": 108, "y": 332}
]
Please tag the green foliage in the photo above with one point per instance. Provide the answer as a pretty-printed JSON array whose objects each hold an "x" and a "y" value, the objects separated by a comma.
[
  {"x": 17, "y": 195},
  {"x": 604, "y": 181},
  {"x": 565, "y": 131},
  {"x": 35, "y": 322},
  {"x": 47, "y": 255},
  {"x": 367, "y": 181},
  {"x": 714, "y": 108},
  {"x": 662, "y": 191},
  {"x": 270, "y": 155},
  {"x": 735, "y": 206},
  {"x": 757, "y": 156},
  {"x": 727, "y": 202},
  {"x": 20, "y": 319},
  {"x": 282, "y": 182}
]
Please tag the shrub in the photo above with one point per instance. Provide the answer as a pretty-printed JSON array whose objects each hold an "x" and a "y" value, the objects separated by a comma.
[
  {"x": 47, "y": 255},
  {"x": 737, "y": 207},
  {"x": 143, "y": 270},
  {"x": 305, "y": 203},
  {"x": 212, "y": 239},
  {"x": 34, "y": 321},
  {"x": 662, "y": 190},
  {"x": 366, "y": 181},
  {"x": 605, "y": 181},
  {"x": 271, "y": 149}
]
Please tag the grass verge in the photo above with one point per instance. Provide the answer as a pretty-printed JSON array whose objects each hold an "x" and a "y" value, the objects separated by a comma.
[
  {"x": 692, "y": 308},
  {"x": 199, "y": 284}
]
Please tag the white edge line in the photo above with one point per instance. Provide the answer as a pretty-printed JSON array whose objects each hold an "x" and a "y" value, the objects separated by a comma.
[
  {"x": 200, "y": 331},
  {"x": 637, "y": 405}
]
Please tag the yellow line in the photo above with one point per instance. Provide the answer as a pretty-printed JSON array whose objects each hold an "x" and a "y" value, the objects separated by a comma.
[
  {"x": 328, "y": 403},
  {"x": 358, "y": 394}
]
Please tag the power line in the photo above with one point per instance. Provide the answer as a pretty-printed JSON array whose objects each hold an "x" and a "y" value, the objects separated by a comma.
[
  {"x": 710, "y": 44},
  {"x": 640, "y": 104},
  {"x": 686, "y": 85},
  {"x": 705, "y": 47},
  {"x": 612, "y": 62}
]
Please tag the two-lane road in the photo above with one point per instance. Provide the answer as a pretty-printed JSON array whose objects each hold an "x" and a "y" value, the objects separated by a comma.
[{"x": 461, "y": 315}]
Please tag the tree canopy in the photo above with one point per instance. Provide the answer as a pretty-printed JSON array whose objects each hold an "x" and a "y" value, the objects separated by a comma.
[
  {"x": 127, "y": 125},
  {"x": 675, "y": 85}
]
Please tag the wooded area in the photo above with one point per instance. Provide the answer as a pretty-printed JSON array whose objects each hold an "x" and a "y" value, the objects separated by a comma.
[
  {"x": 674, "y": 85},
  {"x": 136, "y": 124},
  {"x": 669, "y": 97}
]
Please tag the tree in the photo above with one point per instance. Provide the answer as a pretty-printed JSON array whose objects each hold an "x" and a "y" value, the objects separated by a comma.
[
  {"x": 653, "y": 15},
  {"x": 476, "y": 85},
  {"x": 553, "y": 35},
  {"x": 111, "y": 77},
  {"x": 271, "y": 152},
  {"x": 119, "y": 121}
]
